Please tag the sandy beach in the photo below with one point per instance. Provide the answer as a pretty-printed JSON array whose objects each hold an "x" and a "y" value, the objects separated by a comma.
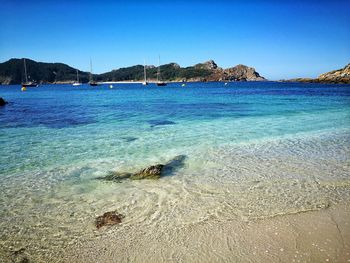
[{"x": 314, "y": 236}]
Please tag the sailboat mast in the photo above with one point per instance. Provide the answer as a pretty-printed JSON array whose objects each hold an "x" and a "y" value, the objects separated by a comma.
[
  {"x": 90, "y": 70},
  {"x": 77, "y": 76},
  {"x": 25, "y": 70},
  {"x": 144, "y": 71},
  {"x": 158, "y": 74}
]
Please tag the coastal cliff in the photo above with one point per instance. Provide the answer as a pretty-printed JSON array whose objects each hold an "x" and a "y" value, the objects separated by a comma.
[
  {"x": 12, "y": 72},
  {"x": 339, "y": 76}
]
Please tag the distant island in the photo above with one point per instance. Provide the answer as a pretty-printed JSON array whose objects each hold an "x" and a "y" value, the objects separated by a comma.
[{"x": 12, "y": 72}]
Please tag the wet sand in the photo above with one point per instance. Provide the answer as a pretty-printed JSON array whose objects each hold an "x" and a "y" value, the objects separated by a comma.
[{"x": 314, "y": 236}]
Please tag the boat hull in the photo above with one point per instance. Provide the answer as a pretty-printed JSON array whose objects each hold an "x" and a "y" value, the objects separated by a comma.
[
  {"x": 26, "y": 85},
  {"x": 161, "y": 84}
]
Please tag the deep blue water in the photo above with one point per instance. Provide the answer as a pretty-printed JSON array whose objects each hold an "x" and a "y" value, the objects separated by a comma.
[{"x": 65, "y": 106}]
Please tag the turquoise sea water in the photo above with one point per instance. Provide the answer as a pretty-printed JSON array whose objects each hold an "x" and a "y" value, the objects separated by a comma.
[{"x": 253, "y": 150}]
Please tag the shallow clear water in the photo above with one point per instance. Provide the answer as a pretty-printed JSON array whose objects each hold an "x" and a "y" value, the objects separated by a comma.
[{"x": 254, "y": 150}]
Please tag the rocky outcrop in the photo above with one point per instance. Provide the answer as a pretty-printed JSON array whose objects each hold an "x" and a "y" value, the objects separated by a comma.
[
  {"x": 2, "y": 102},
  {"x": 151, "y": 172},
  {"x": 237, "y": 73},
  {"x": 208, "y": 65},
  {"x": 174, "y": 65},
  {"x": 108, "y": 218},
  {"x": 336, "y": 76},
  {"x": 243, "y": 73},
  {"x": 340, "y": 76}
]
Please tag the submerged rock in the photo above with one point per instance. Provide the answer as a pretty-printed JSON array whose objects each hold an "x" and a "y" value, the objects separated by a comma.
[
  {"x": 116, "y": 176},
  {"x": 3, "y": 102},
  {"x": 151, "y": 172},
  {"x": 108, "y": 218}
]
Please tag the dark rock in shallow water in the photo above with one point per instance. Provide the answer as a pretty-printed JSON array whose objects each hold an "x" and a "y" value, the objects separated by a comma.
[
  {"x": 160, "y": 122},
  {"x": 151, "y": 172},
  {"x": 108, "y": 218},
  {"x": 115, "y": 176},
  {"x": 3, "y": 102}
]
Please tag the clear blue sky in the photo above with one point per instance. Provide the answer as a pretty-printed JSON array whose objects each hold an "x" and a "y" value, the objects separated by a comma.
[{"x": 281, "y": 39}]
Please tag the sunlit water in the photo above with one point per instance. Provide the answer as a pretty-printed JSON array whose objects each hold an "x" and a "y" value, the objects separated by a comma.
[{"x": 254, "y": 150}]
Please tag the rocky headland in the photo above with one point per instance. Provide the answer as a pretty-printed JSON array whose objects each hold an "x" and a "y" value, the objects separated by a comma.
[
  {"x": 236, "y": 73},
  {"x": 339, "y": 76}
]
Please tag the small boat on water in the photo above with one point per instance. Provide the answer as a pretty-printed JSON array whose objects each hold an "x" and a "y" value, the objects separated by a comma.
[
  {"x": 30, "y": 84},
  {"x": 77, "y": 83},
  {"x": 159, "y": 82},
  {"x": 27, "y": 83},
  {"x": 92, "y": 82},
  {"x": 145, "y": 75}
]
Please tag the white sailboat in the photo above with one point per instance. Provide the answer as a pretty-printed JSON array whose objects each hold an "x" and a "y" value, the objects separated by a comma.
[
  {"x": 77, "y": 83},
  {"x": 92, "y": 82},
  {"x": 27, "y": 83},
  {"x": 144, "y": 74}
]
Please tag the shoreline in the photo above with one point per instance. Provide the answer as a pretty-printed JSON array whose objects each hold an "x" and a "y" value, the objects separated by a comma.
[
  {"x": 140, "y": 82},
  {"x": 190, "y": 82}
]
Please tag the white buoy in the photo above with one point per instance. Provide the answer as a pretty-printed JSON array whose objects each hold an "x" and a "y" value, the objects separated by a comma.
[{"x": 111, "y": 86}]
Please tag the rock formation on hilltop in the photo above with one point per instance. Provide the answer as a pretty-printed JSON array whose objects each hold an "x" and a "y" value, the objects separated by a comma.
[
  {"x": 237, "y": 73},
  {"x": 209, "y": 65}
]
